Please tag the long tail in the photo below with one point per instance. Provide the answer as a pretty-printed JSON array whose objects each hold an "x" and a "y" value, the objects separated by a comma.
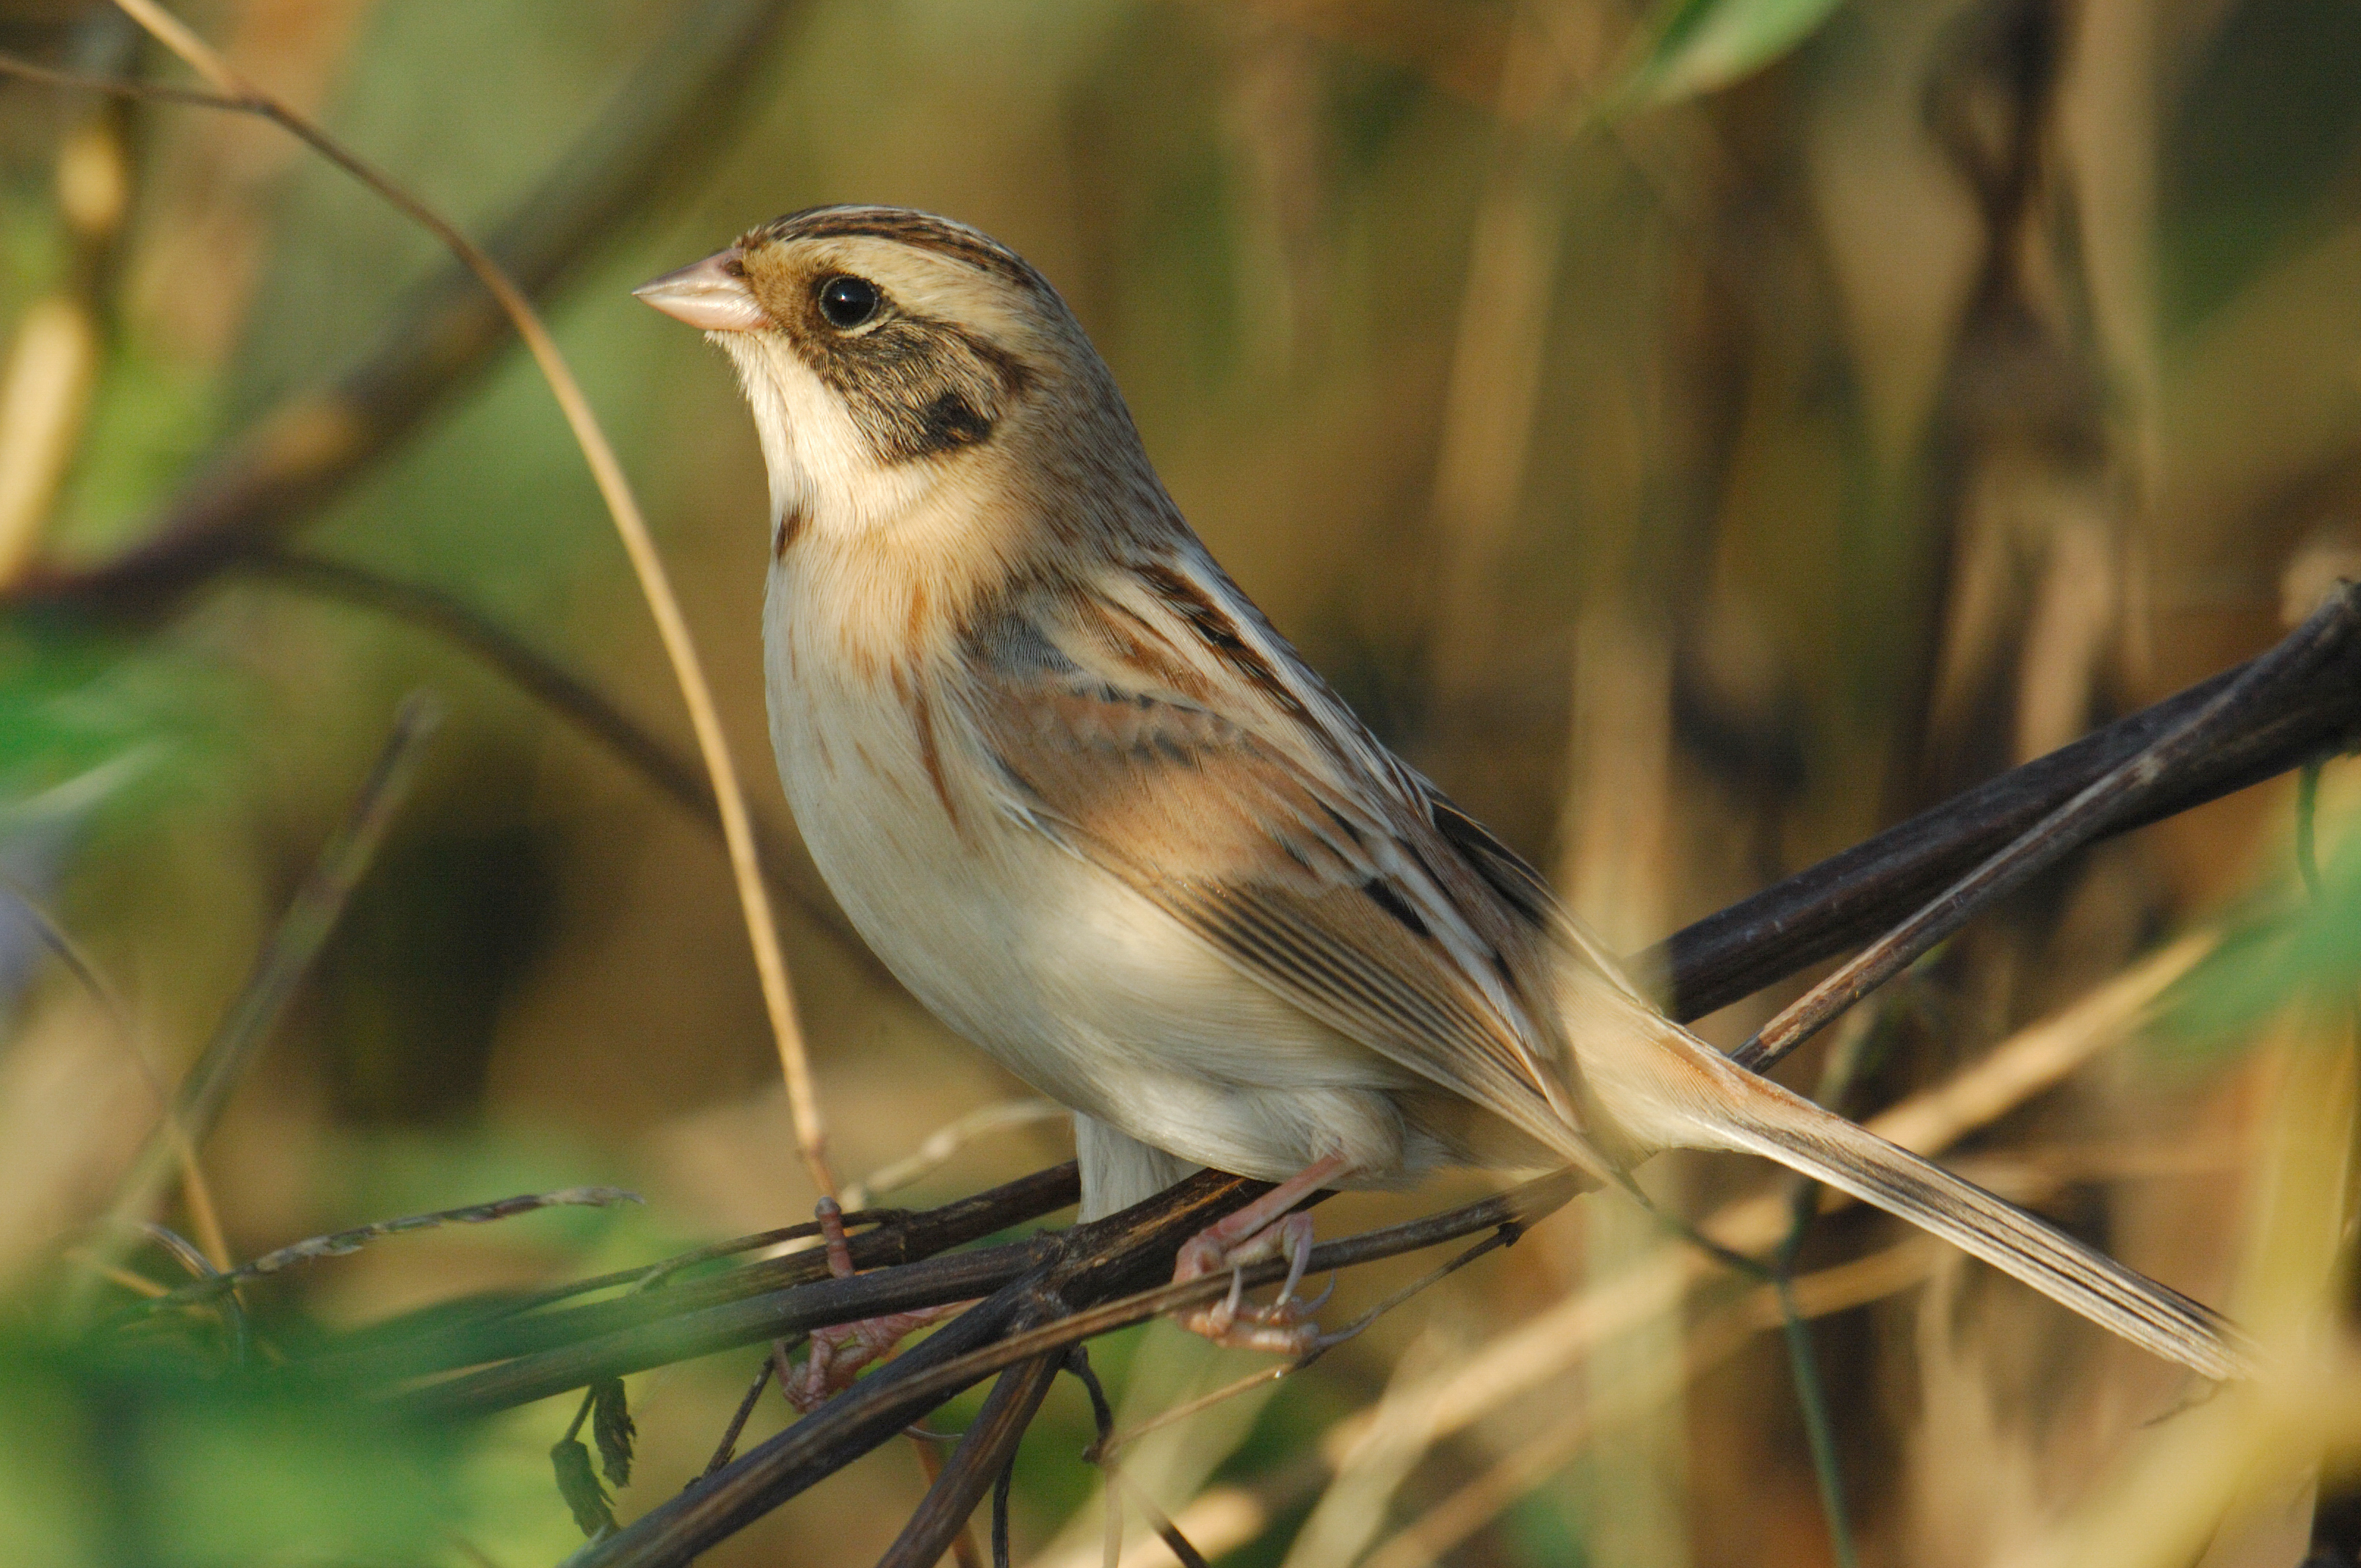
[{"x": 1704, "y": 1102}]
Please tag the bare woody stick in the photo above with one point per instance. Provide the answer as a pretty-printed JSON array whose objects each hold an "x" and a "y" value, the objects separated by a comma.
[
  {"x": 630, "y": 524},
  {"x": 2119, "y": 792},
  {"x": 1855, "y": 895}
]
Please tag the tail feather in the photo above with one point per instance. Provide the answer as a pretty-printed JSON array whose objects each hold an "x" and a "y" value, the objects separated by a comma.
[{"x": 1758, "y": 1116}]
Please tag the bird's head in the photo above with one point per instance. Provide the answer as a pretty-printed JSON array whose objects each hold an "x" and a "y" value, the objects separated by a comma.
[{"x": 897, "y": 363}]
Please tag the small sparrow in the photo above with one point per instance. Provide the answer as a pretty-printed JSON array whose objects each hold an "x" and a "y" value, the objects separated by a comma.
[{"x": 1101, "y": 818}]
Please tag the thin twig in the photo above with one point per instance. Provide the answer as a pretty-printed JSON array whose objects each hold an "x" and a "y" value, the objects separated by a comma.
[
  {"x": 1855, "y": 895},
  {"x": 2117, "y": 792},
  {"x": 190, "y": 1258},
  {"x": 302, "y": 932},
  {"x": 649, "y": 1328},
  {"x": 1000, "y": 1490},
  {"x": 631, "y": 525},
  {"x": 660, "y": 129},
  {"x": 341, "y": 1243},
  {"x": 727, "y": 1449},
  {"x": 159, "y": 92},
  {"x": 646, "y": 1276},
  {"x": 1102, "y": 1452},
  {"x": 1117, "y": 1441},
  {"x": 205, "y": 1215},
  {"x": 937, "y": 1147},
  {"x": 677, "y": 778}
]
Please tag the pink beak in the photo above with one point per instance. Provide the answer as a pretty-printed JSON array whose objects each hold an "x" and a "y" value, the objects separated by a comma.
[{"x": 711, "y": 294}]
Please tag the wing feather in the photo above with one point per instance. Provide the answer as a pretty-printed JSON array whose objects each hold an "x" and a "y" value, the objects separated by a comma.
[{"x": 1276, "y": 829}]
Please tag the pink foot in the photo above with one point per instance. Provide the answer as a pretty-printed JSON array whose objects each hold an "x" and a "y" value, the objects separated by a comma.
[
  {"x": 839, "y": 1351},
  {"x": 1262, "y": 1229}
]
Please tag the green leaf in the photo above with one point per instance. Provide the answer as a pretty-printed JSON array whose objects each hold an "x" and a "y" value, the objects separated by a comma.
[
  {"x": 1703, "y": 46},
  {"x": 2304, "y": 953},
  {"x": 579, "y": 1485},
  {"x": 611, "y": 1424}
]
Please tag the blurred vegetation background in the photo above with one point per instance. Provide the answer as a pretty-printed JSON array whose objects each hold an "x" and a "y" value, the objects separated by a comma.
[{"x": 1696, "y": 437}]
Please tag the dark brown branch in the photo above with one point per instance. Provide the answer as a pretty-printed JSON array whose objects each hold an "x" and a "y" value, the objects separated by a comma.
[
  {"x": 448, "y": 1339},
  {"x": 1105, "y": 1263},
  {"x": 659, "y": 131},
  {"x": 1851, "y": 897},
  {"x": 682, "y": 1335},
  {"x": 983, "y": 1454},
  {"x": 2117, "y": 793},
  {"x": 1097, "y": 1260},
  {"x": 679, "y": 777}
]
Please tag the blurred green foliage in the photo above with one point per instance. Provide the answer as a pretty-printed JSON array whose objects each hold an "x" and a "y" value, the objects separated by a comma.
[
  {"x": 157, "y": 1458},
  {"x": 2296, "y": 953}
]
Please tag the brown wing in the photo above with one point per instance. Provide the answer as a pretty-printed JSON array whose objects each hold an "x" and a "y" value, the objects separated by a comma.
[
  {"x": 1181, "y": 747},
  {"x": 1514, "y": 879}
]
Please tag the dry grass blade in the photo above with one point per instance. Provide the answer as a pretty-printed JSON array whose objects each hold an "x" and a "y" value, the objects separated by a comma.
[
  {"x": 303, "y": 930},
  {"x": 205, "y": 1215},
  {"x": 631, "y": 525},
  {"x": 940, "y": 1145},
  {"x": 1434, "y": 1534}
]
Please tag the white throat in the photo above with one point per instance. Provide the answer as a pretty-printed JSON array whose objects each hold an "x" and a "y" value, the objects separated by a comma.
[{"x": 822, "y": 467}]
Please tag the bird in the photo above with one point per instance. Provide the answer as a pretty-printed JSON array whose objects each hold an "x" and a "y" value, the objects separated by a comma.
[{"x": 1098, "y": 815}]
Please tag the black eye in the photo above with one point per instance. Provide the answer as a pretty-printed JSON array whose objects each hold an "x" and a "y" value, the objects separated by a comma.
[{"x": 846, "y": 301}]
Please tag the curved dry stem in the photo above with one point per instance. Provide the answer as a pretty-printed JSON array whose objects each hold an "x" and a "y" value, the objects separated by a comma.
[
  {"x": 205, "y": 1215},
  {"x": 631, "y": 525}
]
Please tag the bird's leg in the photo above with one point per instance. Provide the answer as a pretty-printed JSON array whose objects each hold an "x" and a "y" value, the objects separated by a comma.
[
  {"x": 1262, "y": 1229},
  {"x": 839, "y": 1351}
]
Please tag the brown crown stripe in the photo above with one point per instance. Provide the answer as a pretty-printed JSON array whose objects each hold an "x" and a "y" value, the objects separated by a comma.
[{"x": 916, "y": 229}]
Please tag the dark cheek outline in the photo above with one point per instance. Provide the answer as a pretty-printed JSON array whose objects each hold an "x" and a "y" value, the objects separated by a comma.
[
  {"x": 952, "y": 422},
  {"x": 925, "y": 390}
]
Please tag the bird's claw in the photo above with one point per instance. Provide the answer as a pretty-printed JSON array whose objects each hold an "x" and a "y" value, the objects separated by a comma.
[
  {"x": 838, "y": 1351},
  {"x": 1285, "y": 1326}
]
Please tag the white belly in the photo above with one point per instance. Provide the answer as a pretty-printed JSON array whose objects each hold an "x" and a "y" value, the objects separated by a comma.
[{"x": 1077, "y": 983}]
